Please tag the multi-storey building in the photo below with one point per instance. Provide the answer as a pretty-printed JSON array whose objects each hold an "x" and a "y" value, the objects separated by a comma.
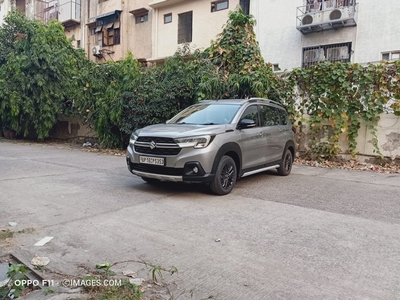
[
  {"x": 116, "y": 27},
  {"x": 153, "y": 30},
  {"x": 150, "y": 29},
  {"x": 68, "y": 12},
  {"x": 195, "y": 22},
  {"x": 293, "y": 34},
  {"x": 300, "y": 33}
]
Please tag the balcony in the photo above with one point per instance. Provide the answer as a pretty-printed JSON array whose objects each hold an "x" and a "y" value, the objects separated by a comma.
[
  {"x": 329, "y": 14},
  {"x": 68, "y": 12}
]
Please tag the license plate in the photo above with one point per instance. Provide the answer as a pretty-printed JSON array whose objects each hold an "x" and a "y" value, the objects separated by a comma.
[{"x": 159, "y": 161}]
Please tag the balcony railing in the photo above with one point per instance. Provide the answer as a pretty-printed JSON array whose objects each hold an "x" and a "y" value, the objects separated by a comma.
[
  {"x": 69, "y": 12},
  {"x": 325, "y": 14}
]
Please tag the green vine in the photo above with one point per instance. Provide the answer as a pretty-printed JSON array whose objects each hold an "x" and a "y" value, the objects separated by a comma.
[{"x": 338, "y": 96}]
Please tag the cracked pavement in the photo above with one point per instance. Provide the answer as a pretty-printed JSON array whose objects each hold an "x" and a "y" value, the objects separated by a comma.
[{"x": 316, "y": 234}]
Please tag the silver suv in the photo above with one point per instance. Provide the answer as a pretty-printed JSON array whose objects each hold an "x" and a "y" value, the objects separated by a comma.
[{"x": 215, "y": 142}]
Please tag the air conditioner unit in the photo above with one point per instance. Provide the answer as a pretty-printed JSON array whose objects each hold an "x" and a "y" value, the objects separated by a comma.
[
  {"x": 311, "y": 19},
  {"x": 339, "y": 14},
  {"x": 337, "y": 53},
  {"x": 96, "y": 50},
  {"x": 313, "y": 55}
]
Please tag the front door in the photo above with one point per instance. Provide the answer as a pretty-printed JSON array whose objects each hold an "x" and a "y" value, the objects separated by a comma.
[{"x": 252, "y": 140}]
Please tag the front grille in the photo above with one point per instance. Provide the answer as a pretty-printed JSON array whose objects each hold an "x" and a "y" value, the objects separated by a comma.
[
  {"x": 158, "y": 151},
  {"x": 149, "y": 139},
  {"x": 162, "y": 146},
  {"x": 158, "y": 169}
]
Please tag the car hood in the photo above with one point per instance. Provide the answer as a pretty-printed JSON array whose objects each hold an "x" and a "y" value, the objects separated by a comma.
[{"x": 183, "y": 130}]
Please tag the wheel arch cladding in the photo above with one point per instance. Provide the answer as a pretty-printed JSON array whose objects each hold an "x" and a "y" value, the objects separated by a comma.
[
  {"x": 230, "y": 149},
  {"x": 291, "y": 146}
]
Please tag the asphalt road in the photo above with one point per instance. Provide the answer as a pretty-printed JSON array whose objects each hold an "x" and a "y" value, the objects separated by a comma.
[{"x": 316, "y": 234}]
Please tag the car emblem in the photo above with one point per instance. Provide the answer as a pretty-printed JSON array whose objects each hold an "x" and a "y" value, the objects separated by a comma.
[{"x": 153, "y": 145}]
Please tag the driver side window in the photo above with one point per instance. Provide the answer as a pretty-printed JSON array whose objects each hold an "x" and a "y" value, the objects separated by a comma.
[{"x": 251, "y": 113}]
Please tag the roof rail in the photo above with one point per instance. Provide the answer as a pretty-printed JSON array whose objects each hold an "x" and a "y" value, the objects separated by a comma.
[{"x": 269, "y": 101}]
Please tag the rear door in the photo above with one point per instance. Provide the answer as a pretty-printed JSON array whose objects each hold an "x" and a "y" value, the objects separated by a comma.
[{"x": 274, "y": 133}]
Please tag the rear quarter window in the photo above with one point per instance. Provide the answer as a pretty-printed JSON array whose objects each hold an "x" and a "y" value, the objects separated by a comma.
[{"x": 283, "y": 116}]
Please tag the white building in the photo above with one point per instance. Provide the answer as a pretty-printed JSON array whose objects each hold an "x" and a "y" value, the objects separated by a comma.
[
  {"x": 298, "y": 33},
  {"x": 196, "y": 22}
]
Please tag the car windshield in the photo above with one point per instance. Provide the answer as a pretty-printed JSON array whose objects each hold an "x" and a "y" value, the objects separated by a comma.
[{"x": 206, "y": 114}]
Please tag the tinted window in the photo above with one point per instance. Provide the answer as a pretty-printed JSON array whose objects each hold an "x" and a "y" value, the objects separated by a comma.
[
  {"x": 251, "y": 113},
  {"x": 284, "y": 116},
  {"x": 269, "y": 116}
]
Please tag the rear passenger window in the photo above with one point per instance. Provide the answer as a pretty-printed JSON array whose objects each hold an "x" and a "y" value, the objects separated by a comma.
[
  {"x": 284, "y": 117},
  {"x": 269, "y": 116},
  {"x": 251, "y": 113}
]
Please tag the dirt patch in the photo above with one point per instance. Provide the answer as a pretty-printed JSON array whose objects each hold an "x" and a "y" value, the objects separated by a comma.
[{"x": 390, "y": 167}]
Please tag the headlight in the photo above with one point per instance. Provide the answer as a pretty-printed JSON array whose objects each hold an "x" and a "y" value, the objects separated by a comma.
[
  {"x": 194, "y": 141},
  {"x": 133, "y": 138}
]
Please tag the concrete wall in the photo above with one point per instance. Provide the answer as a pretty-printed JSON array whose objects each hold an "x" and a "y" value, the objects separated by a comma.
[
  {"x": 72, "y": 128},
  {"x": 138, "y": 36},
  {"x": 377, "y": 30},
  {"x": 76, "y": 33},
  {"x": 206, "y": 25},
  {"x": 281, "y": 43},
  {"x": 5, "y": 7},
  {"x": 388, "y": 131}
]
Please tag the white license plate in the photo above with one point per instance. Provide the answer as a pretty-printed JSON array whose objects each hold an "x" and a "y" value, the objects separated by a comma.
[{"x": 159, "y": 161}]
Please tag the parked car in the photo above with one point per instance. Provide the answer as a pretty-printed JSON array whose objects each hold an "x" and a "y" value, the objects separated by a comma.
[{"x": 215, "y": 142}]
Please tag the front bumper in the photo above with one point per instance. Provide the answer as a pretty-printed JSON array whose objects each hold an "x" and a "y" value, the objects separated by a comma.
[{"x": 175, "y": 170}]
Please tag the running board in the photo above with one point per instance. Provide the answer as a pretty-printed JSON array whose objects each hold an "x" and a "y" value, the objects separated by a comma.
[{"x": 260, "y": 170}]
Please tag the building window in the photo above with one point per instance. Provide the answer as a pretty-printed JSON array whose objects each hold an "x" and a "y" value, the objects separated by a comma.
[
  {"x": 245, "y": 5},
  {"x": 93, "y": 31},
  {"x": 185, "y": 26},
  {"x": 275, "y": 67},
  {"x": 142, "y": 18},
  {"x": 219, "y": 5},
  {"x": 111, "y": 34},
  {"x": 393, "y": 55},
  {"x": 332, "y": 53},
  {"x": 78, "y": 43},
  {"x": 167, "y": 18}
]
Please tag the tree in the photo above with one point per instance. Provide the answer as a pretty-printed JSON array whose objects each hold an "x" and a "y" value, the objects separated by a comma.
[
  {"x": 38, "y": 68},
  {"x": 237, "y": 56}
]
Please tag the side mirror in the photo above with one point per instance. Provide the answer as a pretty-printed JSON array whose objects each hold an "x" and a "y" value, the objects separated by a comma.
[{"x": 246, "y": 123}]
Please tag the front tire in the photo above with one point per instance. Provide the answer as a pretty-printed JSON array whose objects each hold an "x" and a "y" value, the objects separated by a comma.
[
  {"x": 286, "y": 163},
  {"x": 225, "y": 177}
]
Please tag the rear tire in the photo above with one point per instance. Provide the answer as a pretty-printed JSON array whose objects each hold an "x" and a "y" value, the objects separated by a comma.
[
  {"x": 151, "y": 180},
  {"x": 286, "y": 163},
  {"x": 225, "y": 177}
]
